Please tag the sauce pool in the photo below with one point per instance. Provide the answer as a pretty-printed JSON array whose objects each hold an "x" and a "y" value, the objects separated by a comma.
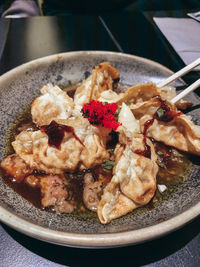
[{"x": 173, "y": 168}]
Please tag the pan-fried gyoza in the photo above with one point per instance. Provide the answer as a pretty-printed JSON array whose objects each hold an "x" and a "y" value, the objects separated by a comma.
[{"x": 105, "y": 141}]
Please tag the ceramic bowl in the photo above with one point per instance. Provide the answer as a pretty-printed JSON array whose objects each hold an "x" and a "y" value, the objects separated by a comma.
[{"x": 18, "y": 88}]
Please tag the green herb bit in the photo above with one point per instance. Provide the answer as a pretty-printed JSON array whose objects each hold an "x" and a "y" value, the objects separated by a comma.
[
  {"x": 111, "y": 150},
  {"x": 117, "y": 113},
  {"x": 160, "y": 112},
  {"x": 108, "y": 164},
  {"x": 118, "y": 110},
  {"x": 160, "y": 153}
]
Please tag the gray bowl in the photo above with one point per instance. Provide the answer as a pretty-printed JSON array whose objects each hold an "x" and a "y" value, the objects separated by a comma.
[{"x": 18, "y": 88}]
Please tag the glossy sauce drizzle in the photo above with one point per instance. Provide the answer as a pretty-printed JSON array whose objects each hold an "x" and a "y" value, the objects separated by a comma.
[
  {"x": 167, "y": 114},
  {"x": 56, "y": 133},
  {"x": 147, "y": 150},
  {"x": 163, "y": 113}
]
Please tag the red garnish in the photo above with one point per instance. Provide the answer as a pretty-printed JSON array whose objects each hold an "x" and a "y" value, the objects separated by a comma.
[
  {"x": 56, "y": 133},
  {"x": 101, "y": 114}
]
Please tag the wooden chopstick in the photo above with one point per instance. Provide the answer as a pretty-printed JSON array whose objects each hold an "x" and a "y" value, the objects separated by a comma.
[
  {"x": 180, "y": 73},
  {"x": 185, "y": 92}
]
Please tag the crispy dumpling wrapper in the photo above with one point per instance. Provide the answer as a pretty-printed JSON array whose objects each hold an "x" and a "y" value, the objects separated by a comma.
[
  {"x": 73, "y": 155},
  {"x": 180, "y": 132},
  {"x": 53, "y": 104},
  {"x": 134, "y": 179},
  {"x": 139, "y": 93},
  {"x": 145, "y": 91},
  {"x": 114, "y": 203},
  {"x": 109, "y": 96},
  {"x": 102, "y": 78}
]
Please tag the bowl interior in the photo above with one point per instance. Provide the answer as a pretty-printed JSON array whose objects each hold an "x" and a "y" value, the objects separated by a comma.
[{"x": 20, "y": 86}]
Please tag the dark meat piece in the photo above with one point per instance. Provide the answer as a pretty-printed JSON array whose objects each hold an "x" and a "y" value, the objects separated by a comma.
[
  {"x": 92, "y": 192},
  {"x": 16, "y": 167},
  {"x": 54, "y": 193}
]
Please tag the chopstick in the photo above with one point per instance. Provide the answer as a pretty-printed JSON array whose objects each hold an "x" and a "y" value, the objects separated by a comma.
[
  {"x": 180, "y": 73},
  {"x": 185, "y": 92}
]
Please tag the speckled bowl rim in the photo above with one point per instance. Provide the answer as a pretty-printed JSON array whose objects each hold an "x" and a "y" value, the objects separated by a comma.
[{"x": 93, "y": 240}]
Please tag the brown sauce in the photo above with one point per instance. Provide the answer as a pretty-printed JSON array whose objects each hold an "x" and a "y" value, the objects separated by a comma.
[
  {"x": 76, "y": 184},
  {"x": 33, "y": 195},
  {"x": 173, "y": 167},
  {"x": 99, "y": 173},
  {"x": 75, "y": 187}
]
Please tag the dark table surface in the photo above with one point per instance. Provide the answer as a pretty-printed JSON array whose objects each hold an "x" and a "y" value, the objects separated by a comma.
[{"x": 130, "y": 31}]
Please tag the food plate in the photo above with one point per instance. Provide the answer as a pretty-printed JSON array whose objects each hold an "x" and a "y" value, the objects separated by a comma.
[{"x": 19, "y": 87}]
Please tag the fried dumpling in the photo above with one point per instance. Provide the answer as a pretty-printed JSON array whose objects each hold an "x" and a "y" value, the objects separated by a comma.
[
  {"x": 139, "y": 93},
  {"x": 109, "y": 96},
  {"x": 102, "y": 78},
  {"x": 169, "y": 92},
  {"x": 143, "y": 92},
  {"x": 53, "y": 104},
  {"x": 78, "y": 150},
  {"x": 177, "y": 131},
  {"x": 134, "y": 178},
  {"x": 114, "y": 203}
]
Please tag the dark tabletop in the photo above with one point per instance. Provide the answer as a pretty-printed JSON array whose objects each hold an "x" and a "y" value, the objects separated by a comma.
[{"x": 131, "y": 31}]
